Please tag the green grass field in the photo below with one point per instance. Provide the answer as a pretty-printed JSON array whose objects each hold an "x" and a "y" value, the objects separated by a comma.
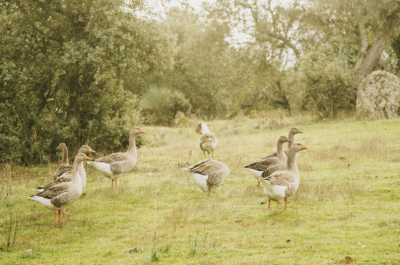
[{"x": 347, "y": 204}]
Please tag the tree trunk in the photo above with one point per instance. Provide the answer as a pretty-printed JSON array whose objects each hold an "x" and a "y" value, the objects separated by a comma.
[{"x": 369, "y": 58}]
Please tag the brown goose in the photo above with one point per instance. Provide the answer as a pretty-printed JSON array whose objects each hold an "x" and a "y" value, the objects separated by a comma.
[
  {"x": 63, "y": 193},
  {"x": 280, "y": 185},
  {"x": 208, "y": 174},
  {"x": 208, "y": 141},
  {"x": 292, "y": 132},
  {"x": 269, "y": 165},
  {"x": 85, "y": 149},
  {"x": 112, "y": 166}
]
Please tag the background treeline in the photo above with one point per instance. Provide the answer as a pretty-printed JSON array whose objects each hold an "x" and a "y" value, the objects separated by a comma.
[{"x": 85, "y": 71}]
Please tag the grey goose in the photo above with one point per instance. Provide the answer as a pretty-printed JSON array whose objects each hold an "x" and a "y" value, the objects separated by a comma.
[
  {"x": 280, "y": 185},
  {"x": 112, "y": 166}
]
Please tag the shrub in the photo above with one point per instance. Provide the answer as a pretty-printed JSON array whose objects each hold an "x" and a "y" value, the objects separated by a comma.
[
  {"x": 378, "y": 96},
  {"x": 160, "y": 105},
  {"x": 328, "y": 84}
]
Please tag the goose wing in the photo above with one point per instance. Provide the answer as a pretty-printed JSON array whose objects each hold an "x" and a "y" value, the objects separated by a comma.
[
  {"x": 263, "y": 164},
  {"x": 61, "y": 170},
  {"x": 112, "y": 158},
  {"x": 205, "y": 167},
  {"x": 206, "y": 137},
  {"x": 281, "y": 178}
]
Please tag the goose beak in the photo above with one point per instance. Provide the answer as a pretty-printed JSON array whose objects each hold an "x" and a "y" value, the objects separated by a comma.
[
  {"x": 87, "y": 158},
  {"x": 91, "y": 150},
  {"x": 304, "y": 147},
  {"x": 300, "y": 132},
  {"x": 142, "y": 132},
  {"x": 200, "y": 133}
]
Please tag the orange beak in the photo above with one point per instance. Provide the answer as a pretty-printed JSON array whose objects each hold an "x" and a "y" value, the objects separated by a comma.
[
  {"x": 200, "y": 133},
  {"x": 143, "y": 132},
  {"x": 91, "y": 150},
  {"x": 87, "y": 158},
  {"x": 304, "y": 147}
]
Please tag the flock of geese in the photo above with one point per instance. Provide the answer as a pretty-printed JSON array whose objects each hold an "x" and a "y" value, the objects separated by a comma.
[{"x": 278, "y": 171}]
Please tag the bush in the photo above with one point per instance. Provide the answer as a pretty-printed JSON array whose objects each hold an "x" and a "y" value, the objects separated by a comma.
[
  {"x": 378, "y": 96},
  {"x": 160, "y": 105},
  {"x": 328, "y": 84}
]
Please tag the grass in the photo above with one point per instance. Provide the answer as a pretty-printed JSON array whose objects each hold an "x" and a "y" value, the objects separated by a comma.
[{"x": 345, "y": 211}]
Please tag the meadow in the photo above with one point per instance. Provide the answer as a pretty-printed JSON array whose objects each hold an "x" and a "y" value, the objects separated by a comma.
[{"x": 345, "y": 211}]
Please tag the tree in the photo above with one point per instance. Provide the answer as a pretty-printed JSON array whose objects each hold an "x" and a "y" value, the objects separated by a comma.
[
  {"x": 203, "y": 68},
  {"x": 273, "y": 45},
  {"x": 368, "y": 24},
  {"x": 62, "y": 69}
]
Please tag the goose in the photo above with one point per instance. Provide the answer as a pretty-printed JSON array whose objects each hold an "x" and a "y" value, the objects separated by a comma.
[
  {"x": 208, "y": 174},
  {"x": 85, "y": 149},
  {"x": 63, "y": 193},
  {"x": 208, "y": 141},
  {"x": 112, "y": 166},
  {"x": 292, "y": 132},
  {"x": 269, "y": 165},
  {"x": 280, "y": 185}
]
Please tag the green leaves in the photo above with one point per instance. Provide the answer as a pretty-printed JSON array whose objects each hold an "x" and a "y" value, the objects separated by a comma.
[{"x": 77, "y": 53}]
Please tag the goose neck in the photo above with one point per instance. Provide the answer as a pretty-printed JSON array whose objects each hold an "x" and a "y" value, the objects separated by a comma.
[
  {"x": 64, "y": 155},
  {"x": 291, "y": 160},
  {"x": 279, "y": 149},
  {"x": 132, "y": 145},
  {"x": 291, "y": 138},
  {"x": 204, "y": 128}
]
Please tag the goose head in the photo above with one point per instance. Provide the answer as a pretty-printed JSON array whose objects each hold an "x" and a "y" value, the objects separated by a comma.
[
  {"x": 61, "y": 146},
  {"x": 202, "y": 128},
  {"x": 85, "y": 149},
  {"x": 136, "y": 131},
  {"x": 284, "y": 139},
  {"x": 297, "y": 147},
  {"x": 294, "y": 130},
  {"x": 81, "y": 156}
]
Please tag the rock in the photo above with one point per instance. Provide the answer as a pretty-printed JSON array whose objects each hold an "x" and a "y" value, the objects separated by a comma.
[
  {"x": 378, "y": 96},
  {"x": 134, "y": 250}
]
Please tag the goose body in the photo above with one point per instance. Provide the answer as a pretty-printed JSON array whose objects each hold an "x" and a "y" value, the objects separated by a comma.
[
  {"x": 62, "y": 194},
  {"x": 208, "y": 174},
  {"x": 66, "y": 177},
  {"x": 292, "y": 132},
  {"x": 208, "y": 142},
  {"x": 112, "y": 166},
  {"x": 280, "y": 185},
  {"x": 269, "y": 165}
]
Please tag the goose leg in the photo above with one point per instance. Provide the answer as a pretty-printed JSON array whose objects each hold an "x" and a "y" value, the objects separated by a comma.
[
  {"x": 209, "y": 190},
  {"x": 259, "y": 185},
  {"x": 112, "y": 183},
  {"x": 116, "y": 182},
  {"x": 55, "y": 218},
  {"x": 59, "y": 214},
  {"x": 285, "y": 204},
  {"x": 269, "y": 203}
]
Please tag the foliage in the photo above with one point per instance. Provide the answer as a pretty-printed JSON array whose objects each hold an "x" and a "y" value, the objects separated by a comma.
[
  {"x": 160, "y": 105},
  {"x": 204, "y": 68},
  {"x": 378, "y": 96},
  {"x": 62, "y": 70},
  {"x": 328, "y": 84}
]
